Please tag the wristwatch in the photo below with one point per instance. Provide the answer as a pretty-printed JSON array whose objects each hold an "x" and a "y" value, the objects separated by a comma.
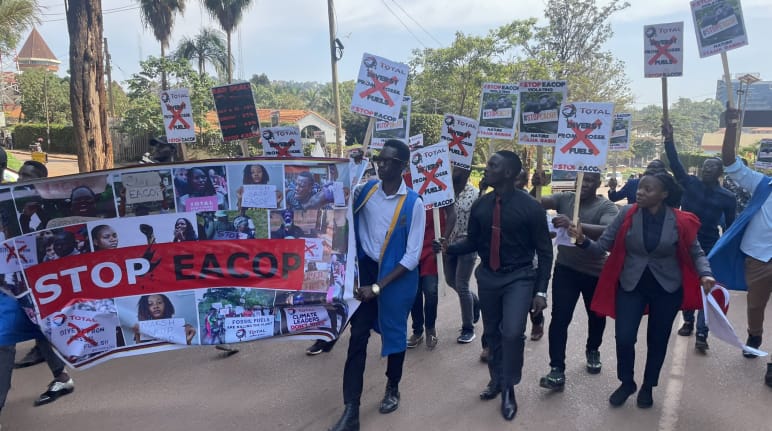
[
  {"x": 376, "y": 289},
  {"x": 542, "y": 294}
]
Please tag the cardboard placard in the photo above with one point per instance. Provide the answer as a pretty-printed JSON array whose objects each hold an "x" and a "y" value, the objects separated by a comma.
[{"x": 583, "y": 136}]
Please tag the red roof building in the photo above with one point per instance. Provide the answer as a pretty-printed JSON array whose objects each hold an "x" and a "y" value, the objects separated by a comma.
[{"x": 35, "y": 54}]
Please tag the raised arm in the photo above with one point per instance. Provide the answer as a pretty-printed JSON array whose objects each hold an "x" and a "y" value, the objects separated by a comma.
[
  {"x": 672, "y": 156},
  {"x": 732, "y": 117}
]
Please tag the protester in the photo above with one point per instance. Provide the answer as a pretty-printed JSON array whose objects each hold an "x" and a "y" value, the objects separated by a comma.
[
  {"x": 656, "y": 263},
  {"x": 184, "y": 230},
  {"x": 742, "y": 258},
  {"x": 306, "y": 194},
  {"x": 104, "y": 237},
  {"x": 629, "y": 190},
  {"x": 288, "y": 229},
  {"x": 155, "y": 307},
  {"x": 32, "y": 170},
  {"x": 711, "y": 203},
  {"x": 576, "y": 273},
  {"x": 201, "y": 185},
  {"x": 388, "y": 277},
  {"x": 458, "y": 268},
  {"x": 506, "y": 228}
]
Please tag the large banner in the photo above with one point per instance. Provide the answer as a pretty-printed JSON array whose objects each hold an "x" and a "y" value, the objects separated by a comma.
[
  {"x": 620, "y": 132},
  {"x": 282, "y": 142},
  {"x": 430, "y": 175},
  {"x": 539, "y": 104},
  {"x": 380, "y": 88},
  {"x": 236, "y": 111},
  {"x": 400, "y": 129},
  {"x": 498, "y": 111},
  {"x": 140, "y": 260},
  {"x": 460, "y": 134},
  {"x": 178, "y": 116},
  {"x": 719, "y": 26},
  {"x": 663, "y": 50},
  {"x": 583, "y": 136}
]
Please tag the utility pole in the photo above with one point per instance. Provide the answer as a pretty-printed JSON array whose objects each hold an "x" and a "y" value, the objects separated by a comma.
[
  {"x": 48, "y": 118},
  {"x": 334, "y": 63},
  {"x": 108, "y": 69}
]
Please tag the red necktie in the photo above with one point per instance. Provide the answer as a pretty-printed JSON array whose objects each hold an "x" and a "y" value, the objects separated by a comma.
[{"x": 494, "y": 260}]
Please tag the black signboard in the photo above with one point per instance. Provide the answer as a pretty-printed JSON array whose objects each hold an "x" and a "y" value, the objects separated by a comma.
[{"x": 236, "y": 111}]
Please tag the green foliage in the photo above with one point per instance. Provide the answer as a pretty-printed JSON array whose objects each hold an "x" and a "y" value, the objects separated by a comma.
[
  {"x": 39, "y": 86},
  {"x": 428, "y": 124},
  {"x": 690, "y": 119},
  {"x": 16, "y": 16},
  {"x": 62, "y": 137},
  {"x": 208, "y": 46}
]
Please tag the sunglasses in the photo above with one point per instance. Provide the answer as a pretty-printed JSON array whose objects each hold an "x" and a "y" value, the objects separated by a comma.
[{"x": 384, "y": 160}]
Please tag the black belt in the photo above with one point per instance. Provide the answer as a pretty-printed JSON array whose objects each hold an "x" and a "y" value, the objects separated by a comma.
[{"x": 512, "y": 268}]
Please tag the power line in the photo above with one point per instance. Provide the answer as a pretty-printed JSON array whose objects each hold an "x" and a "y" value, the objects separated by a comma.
[
  {"x": 417, "y": 23},
  {"x": 403, "y": 24}
]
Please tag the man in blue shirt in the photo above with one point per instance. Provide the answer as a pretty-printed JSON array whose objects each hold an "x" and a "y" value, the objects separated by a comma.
[
  {"x": 711, "y": 203},
  {"x": 631, "y": 186}
]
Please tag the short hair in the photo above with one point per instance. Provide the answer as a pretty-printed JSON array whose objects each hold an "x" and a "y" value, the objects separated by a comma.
[
  {"x": 674, "y": 190},
  {"x": 655, "y": 165},
  {"x": 717, "y": 160},
  {"x": 403, "y": 151},
  {"x": 512, "y": 162},
  {"x": 40, "y": 169}
]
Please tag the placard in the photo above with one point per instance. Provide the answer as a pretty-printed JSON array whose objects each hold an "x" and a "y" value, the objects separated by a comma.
[
  {"x": 498, "y": 111},
  {"x": 259, "y": 196},
  {"x": 380, "y": 88},
  {"x": 177, "y": 111},
  {"x": 431, "y": 177},
  {"x": 583, "y": 136},
  {"x": 416, "y": 141},
  {"x": 620, "y": 132},
  {"x": 719, "y": 26},
  {"x": 663, "y": 50},
  {"x": 460, "y": 135},
  {"x": 282, "y": 142},
  {"x": 764, "y": 156},
  {"x": 539, "y": 105},
  {"x": 400, "y": 129},
  {"x": 236, "y": 111}
]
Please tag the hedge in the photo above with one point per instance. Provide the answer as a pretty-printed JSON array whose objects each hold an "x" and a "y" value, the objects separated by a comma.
[{"x": 62, "y": 137}]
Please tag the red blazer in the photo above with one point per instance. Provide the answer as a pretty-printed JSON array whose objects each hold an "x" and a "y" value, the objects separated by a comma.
[{"x": 604, "y": 299}]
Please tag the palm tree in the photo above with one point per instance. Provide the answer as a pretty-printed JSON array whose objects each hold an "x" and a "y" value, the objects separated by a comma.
[
  {"x": 15, "y": 17},
  {"x": 207, "y": 46},
  {"x": 228, "y": 13},
  {"x": 158, "y": 15}
]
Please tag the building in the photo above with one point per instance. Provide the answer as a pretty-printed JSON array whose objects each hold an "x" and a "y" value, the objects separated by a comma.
[{"x": 35, "y": 54}]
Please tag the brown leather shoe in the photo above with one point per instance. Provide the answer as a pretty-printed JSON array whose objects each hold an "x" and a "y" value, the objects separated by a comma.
[{"x": 537, "y": 331}]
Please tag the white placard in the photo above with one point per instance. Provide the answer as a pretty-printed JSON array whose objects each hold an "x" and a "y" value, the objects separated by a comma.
[
  {"x": 400, "y": 129},
  {"x": 663, "y": 50},
  {"x": 282, "y": 142},
  {"x": 539, "y": 105},
  {"x": 303, "y": 318},
  {"x": 764, "y": 156},
  {"x": 81, "y": 332},
  {"x": 380, "y": 88},
  {"x": 314, "y": 249},
  {"x": 719, "y": 26},
  {"x": 460, "y": 134},
  {"x": 171, "y": 330},
  {"x": 499, "y": 109},
  {"x": 584, "y": 130},
  {"x": 238, "y": 329},
  {"x": 178, "y": 116},
  {"x": 620, "y": 132},
  {"x": 431, "y": 177},
  {"x": 259, "y": 196},
  {"x": 416, "y": 141}
]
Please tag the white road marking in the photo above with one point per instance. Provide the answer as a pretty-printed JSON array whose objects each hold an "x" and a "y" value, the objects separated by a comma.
[{"x": 668, "y": 421}]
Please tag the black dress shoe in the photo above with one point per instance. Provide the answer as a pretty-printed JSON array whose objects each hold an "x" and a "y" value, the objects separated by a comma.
[
  {"x": 490, "y": 392},
  {"x": 508, "y": 404},
  {"x": 645, "y": 399},
  {"x": 349, "y": 421},
  {"x": 622, "y": 393},
  {"x": 390, "y": 400}
]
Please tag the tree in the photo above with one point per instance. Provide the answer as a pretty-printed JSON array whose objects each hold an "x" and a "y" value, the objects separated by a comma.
[
  {"x": 87, "y": 85},
  {"x": 16, "y": 16},
  {"x": 158, "y": 15},
  {"x": 228, "y": 13},
  {"x": 44, "y": 93},
  {"x": 206, "y": 47}
]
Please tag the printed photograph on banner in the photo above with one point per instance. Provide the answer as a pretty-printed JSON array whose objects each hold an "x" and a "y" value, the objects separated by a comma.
[
  {"x": 460, "y": 135},
  {"x": 539, "y": 105},
  {"x": 764, "y": 157},
  {"x": 583, "y": 136},
  {"x": 178, "y": 116},
  {"x": 9, "y": 221},
  {"x": 84, "y": 330},
  {"x": 236, "y": 111},
  {"x": 400, "y": 129},
  {"x": 247, "y": 223},
  {"x": 663, "y": 50},
  {"x": 144, "y": 193},
  {"x": 282, "y": 142},
  {"x": 498, "y": 111},
  {"x": 315, "y": 186},
  {"x": 52, "y": 204},
  {"x": 205, "y": 188},
  {"x": 146, "y": 230},
  {"x": 170, "y": 317},
  {"x": 12, "y": 281},
  {"x": 321, "y": 314},
  {"x": 380, "y": 88},
  {"x": 52, "y": 244},
  {"x": 256, "y": 185},
  {"x": 620, "y": 132},
  {"x": 719, "y": 26},
  {"x": 430, "y": 175},
  {"x": 219, "y": 311}
]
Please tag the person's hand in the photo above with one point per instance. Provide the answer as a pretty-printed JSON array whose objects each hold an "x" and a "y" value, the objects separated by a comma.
[
  {"x": 365, "y": 293},
  {"x": 732, "y": 117},
  {"x": 190, "y": 332},
  {"x": 561, "y": 220},
  {"x": 440, "y": 245},
  {"x": 707, "y": 283},
  {"x": 30, "y": 208},
  {"x": 239, "y": 192},
  {"x": 538, "y": 304},
  {"x": 612, "y": 183},
  {"x": 667, "y": 130},
  {"x": 575, "y": 231},
  {"x": 538, "y": 178}
]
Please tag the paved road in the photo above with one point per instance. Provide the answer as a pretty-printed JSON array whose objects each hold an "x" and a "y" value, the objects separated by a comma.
[
  {"x": 58, "y": 164},
  {"x": 272, "y": 385}
]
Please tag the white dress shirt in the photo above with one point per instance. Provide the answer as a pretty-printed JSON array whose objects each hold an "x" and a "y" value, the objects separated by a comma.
[
  {"x": 375, "y": 220},
  {"x": 758, "y": 235}
]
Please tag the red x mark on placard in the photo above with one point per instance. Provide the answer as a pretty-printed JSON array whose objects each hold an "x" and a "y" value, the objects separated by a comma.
[
  {"x": 282, "y": 147},
  {"x": 82, "y": 333},
  {"x": 310, "y": 248},
  {"x": 177, "y": 116},
  {"x": 456, "y": 140},
  {"x": 662, "y": 49},
  {"x": 430, "y": 176},
  {"x": 580, "y": 135},
  {"x": 379, "y": 86}
]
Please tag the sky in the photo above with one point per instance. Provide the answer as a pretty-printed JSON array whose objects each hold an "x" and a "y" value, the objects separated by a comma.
[{"x": 288, "y": 40}]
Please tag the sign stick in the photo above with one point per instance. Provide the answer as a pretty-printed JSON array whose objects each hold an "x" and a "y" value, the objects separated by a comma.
[
  {"x": 575, "y": 218},
  {"x": 727, "y": 80},
  {"x": 437, "y": 236},
  {"x": 539, "y": 161},
  {"x": 368, "y": 135},
  {"x": 665, "y": 114}
]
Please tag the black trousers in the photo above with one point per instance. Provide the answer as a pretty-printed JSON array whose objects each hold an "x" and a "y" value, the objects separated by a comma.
[
  {"x": 567, "y": 285},
  {"x": 663, "y": 308},
  {"x": 361, "y": 324},
  {"x": 505, "y": 300}
]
